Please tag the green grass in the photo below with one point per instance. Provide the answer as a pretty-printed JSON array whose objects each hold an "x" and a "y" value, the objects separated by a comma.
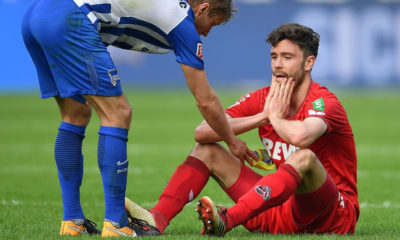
[{"x": 160, "y": 139}]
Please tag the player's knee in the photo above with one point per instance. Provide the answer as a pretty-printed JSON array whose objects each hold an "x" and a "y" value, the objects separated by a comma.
[
  {"x": 206, "y": 153},
  {"x": 125, "y": 112},
  {"x": 119, "y": 115},
  {"x": 303, "y": 160},
  {"x": 79, "y": 116}
]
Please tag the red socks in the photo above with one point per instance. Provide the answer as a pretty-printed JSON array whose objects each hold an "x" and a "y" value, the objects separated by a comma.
[
  {"x": 184, "y": 186},
  {"x": 272, "y": 190}
]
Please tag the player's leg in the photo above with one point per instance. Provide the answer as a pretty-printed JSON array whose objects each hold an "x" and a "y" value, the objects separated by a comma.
[
  {"x": 316, "y": 195},
  {"x": 187, "y": 182},
  {"x": 302, "y": 172},
  {"x": 185, "y": 185},
  {"x": 115, "y": 116},
  {"x": 68, "y": 147},
  {"x": 68, "y": 154},
  {"x": 81, "y": 65}
]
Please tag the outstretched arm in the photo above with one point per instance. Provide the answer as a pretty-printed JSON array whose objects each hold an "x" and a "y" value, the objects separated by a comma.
[
  {"x": 211, "y": 108},
  {"x": 205, "y": 134}
]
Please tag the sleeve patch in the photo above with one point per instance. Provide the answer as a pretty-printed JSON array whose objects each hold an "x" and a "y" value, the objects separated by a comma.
[
  {"x": 319, "y": 105},
  {"x": 199, "y": 51}
]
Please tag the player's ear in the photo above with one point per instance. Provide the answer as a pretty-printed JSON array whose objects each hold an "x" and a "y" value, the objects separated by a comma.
[
  {"x": 202, "y": 8},
  {"x": 309, "y": 63}
]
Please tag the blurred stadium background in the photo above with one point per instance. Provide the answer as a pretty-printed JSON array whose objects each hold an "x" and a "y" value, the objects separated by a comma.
[
  {"x": 360, "y": 46},
  {"x": 359, "y": 54}
]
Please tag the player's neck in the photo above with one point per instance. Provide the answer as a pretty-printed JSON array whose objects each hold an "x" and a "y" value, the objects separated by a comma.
[{"x": 299, "y": 94}]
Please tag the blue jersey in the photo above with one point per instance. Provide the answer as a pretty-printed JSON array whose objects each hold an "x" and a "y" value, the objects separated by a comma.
[{"x": 153, "y": 26}]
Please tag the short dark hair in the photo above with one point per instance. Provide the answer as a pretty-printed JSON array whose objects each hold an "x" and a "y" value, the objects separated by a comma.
[
  {"x": 303, "y": 36},
  {"x": 218, "y": 7}
]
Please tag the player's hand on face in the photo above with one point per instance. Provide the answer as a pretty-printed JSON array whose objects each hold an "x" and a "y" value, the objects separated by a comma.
[
  {"x": 241, "y": 151},
  {"x": 280, "y": 101}
]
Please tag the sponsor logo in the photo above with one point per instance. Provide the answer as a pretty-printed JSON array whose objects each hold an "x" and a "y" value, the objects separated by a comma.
[
  {"x": 122, "y": 170},
  {"x": 199, "y": 51},
  {"x": 264, "y": 191},
  {"x": 182, "y": 3},
  {"x": 113, "y": 73},
  {"x": 125, "y": 234},
  {"x": 319, "y": 104},
  {"x": 278, "y": 149},
  {"x": 76, "y": 229},
  {"x": 312, "y": 112},
  {"x": 122, "y": 163}
]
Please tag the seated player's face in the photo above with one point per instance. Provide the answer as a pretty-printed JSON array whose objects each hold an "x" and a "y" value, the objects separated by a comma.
[
  {"x": 287, "y": 61},
  {"x": 204, "y": 22}
]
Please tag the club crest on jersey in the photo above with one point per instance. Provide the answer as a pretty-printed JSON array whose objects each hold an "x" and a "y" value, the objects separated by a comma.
[
  {"x": 264, "y": 191},
  {"x": 199, "y": 51},
  {"x": 113, "y": 73}
]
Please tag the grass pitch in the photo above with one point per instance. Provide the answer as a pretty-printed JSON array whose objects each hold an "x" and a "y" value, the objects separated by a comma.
[{"x": 161, "y": 137}]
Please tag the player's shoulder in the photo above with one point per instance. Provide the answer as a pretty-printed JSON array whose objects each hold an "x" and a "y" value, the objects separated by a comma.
[
  {"x": 259, "y": 93},
  {"x": 318, "y": 91},
  {"x": 252, "y": 96}
]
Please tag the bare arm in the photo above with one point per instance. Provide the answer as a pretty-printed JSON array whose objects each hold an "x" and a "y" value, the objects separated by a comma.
[
  {"x": 205, "y": 134},
  {"x": 299, "y": 133},
  {"x": 211, "y": 108}
]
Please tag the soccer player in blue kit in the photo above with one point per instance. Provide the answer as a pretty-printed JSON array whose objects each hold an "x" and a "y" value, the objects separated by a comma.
[{"x": 68, "y": 39}]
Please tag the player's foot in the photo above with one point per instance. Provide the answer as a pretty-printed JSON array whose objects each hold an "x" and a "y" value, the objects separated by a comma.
[
  {"x": 136, "y": 211},
  {"x": 78, "y": 226},
  {"x": 136, "y": 227},
  {"x": 214, "y": 221},
  {"x": 140, "y": 216}
]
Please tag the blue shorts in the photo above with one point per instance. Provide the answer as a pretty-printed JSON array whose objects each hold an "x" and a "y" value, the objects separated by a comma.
[{"x": 70, "y": 57}]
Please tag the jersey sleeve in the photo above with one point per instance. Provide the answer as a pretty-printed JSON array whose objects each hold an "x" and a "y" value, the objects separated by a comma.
[
  {"x": 248, "y": 105},
  {"x": 186, "y": 43},
  {"x": 328, "y": 108}
]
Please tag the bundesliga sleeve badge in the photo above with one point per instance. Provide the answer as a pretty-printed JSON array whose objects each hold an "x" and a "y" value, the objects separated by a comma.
[
  {"x": 199, "y": 51},
  {"x": 318, "y": 107}
]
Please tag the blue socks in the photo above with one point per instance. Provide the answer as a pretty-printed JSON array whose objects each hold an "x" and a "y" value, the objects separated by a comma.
[
  {"x": 113, "y": 164},
  {"x": 69, "y": 160}
]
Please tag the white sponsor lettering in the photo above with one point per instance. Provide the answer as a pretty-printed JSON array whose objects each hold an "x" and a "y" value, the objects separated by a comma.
[
  {"x": 312, "y": 112},
  {"x": 280, "y": 149},
  {"x": 277, "y": 151},
  {"x": 286, "y": 151},
  {"x": 122, "y": 170}
]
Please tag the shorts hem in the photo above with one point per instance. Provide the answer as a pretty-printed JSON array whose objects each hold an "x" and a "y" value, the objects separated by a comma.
[
  {"x": 72, "y": 94},
  {"x": 97, "y": 93}
]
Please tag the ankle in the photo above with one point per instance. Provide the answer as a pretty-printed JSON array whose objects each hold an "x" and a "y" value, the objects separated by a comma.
[{"x": 159, "y": 219}]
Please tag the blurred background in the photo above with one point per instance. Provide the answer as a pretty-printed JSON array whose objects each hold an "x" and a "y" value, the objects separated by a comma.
[
  {"x": 360, "y": 46},
  {"x": 359, "y": 56}
]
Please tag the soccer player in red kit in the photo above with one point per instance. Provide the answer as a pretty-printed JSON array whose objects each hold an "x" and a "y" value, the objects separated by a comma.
[{"x": 305, "y": 130}]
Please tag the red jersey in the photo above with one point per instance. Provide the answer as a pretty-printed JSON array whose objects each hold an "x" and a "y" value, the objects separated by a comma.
[{"x": 335, "y": 149}]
